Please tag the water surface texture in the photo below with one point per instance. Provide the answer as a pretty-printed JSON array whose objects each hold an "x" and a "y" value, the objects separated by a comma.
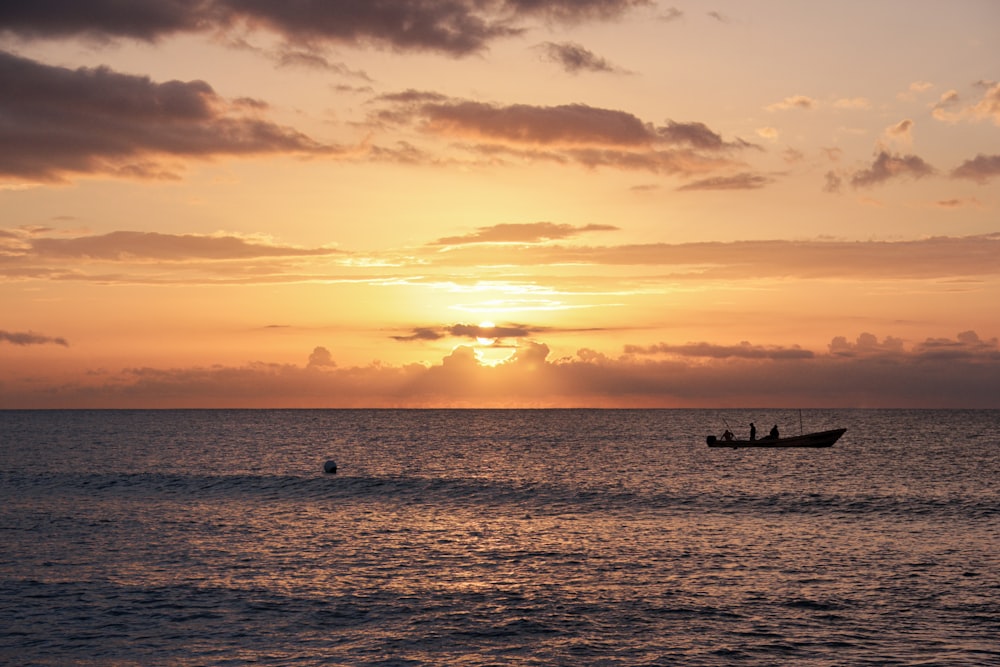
[{"x": 562, "y": 537}]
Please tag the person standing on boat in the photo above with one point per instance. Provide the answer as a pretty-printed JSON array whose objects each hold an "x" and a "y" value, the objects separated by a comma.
[{"x": 753, "y": 431}]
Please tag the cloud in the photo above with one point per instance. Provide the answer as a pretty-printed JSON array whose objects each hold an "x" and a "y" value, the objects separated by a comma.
[
  {"x": 914, "y": 90},
  {"x": 570, "y": 11},
  {"x": 963, "y": 372},
  {"x": 155, "y": 258},
  {"x": 744, "y": 181},
  {"x": 60, "y": 121},
  {"x": 498, "y": 333},
  {"x": 471, "y": 332},
  {"x": 980, "y": 169},
  {"x": 534, "y": 232},
  {"x": 148, "y": 20},
  {"x": 569, "y": 133},
  {"x": 313, "y": 59},
  {"x": 989, "y": 106},
  {"x": 574, "y": 58},
  {"x": 900, "y": 133},
  {"x": 866, "y": 345},
  {"x": 671, "y": 14},
  {"x": 458, "y": 28},
  {"x": 860, "y": 103},
  {"x": 921, "y": 259},
  {"x": 956, "y": 203},
  {"x": 132, "y": 246},
  {"x": 564, "y": 125},
  {"x": 833, "y": 182},
  {"x": 321, "y": 358},
  {"x": 422, "y": 333},
  {"x": 889, "y": 166},
  {"x": 794, "y": 102},
  {"x": 711, "y": 351},
  {"x": 966, "y": 346},
  {"x": 30, "y": 338},
  {"x": 950, "y": 108},
  {"x": 697, "y": 135}
]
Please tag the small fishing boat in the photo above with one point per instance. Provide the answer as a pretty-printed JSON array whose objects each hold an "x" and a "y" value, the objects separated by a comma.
[{"x": 819, "y": 439}]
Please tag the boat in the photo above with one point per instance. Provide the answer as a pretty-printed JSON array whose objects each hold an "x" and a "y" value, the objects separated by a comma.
[{"x": 818, "y": 439}]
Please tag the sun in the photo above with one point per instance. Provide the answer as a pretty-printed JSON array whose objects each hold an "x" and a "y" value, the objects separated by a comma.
[{"x": 485, "y": 327}]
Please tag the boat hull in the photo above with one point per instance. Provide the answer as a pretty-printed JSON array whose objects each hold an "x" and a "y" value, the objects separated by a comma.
[{"x": 813, "y": 440}]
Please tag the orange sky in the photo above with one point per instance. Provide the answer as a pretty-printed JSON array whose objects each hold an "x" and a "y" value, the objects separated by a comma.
[{"x": 502, "y": 203}]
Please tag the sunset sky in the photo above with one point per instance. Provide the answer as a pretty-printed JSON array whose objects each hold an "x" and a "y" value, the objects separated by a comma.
[{"x": 499, "y": 203}]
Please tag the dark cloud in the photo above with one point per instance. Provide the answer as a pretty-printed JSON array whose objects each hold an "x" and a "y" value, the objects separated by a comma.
[
  {"x": 568, "y": 124},
  {"x": 708, "y": 350},
  {"x": 470, "y": 331},
  {"x": 456, "y": 27},
  {"x": 533, "y": 232},
  {"x": 141, "y": 19},
  {"x": 888, "y": 166},
  {"x": 60, "y": 121},
  {"x": 564, "y": 134},
  {"x": 696, "y": 135},
  {"x": 980, "y": 169},
  {"x": 572, "y": 11},
  {"x": 495, "y": 331},
  {"x": 30, "y": 338},
  {"x": 574, "y": 58},
  {"x": 422, "y": 333},
  {"x": 745, "y": 181}
]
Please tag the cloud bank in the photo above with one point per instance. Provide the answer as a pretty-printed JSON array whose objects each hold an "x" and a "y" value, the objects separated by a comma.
[
  {"x": 126, "y": 256},
  {"x": 940, "y": 372}
]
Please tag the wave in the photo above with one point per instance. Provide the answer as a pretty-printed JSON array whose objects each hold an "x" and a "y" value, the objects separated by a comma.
[{"x": 452, "y": 492}]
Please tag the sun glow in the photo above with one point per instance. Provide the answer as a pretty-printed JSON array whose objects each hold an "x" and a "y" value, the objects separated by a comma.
[{"x": 484, "y": 328}]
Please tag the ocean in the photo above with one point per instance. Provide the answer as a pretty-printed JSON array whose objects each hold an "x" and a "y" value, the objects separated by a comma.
[{"x": 497, "y": 537}]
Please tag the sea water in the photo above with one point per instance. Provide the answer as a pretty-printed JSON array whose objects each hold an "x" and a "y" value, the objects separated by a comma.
[{"x": 468, "y": 537}]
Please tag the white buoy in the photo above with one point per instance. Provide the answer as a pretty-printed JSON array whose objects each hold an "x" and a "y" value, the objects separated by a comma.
[{"x": 330, "y": 467}]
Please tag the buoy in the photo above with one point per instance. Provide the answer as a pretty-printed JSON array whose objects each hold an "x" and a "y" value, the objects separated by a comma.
[{"x": 330, "y": 467}]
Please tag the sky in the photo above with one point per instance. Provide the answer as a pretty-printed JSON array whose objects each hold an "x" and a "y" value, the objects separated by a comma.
[{"x": 499, "y": 203}]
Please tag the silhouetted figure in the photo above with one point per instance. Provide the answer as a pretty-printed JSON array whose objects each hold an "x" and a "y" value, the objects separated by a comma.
[
  {"x": 727, "y": 436},
  {"x": 753, "y": 431},
  {"x": 774, "y": 432}
]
